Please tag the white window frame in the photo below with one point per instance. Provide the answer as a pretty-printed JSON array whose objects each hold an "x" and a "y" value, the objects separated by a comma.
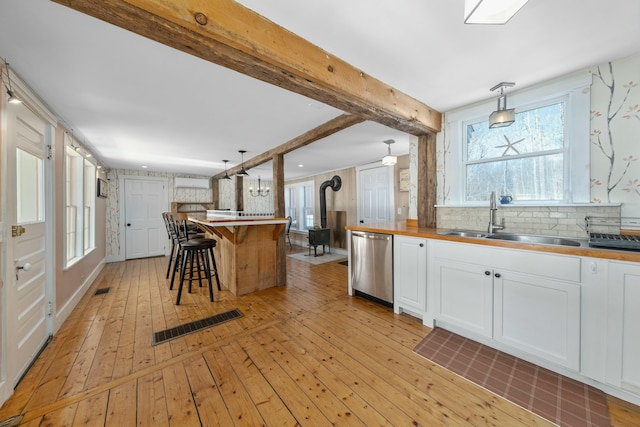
[
  {"x": 574, "y": 90},
  {"x": 298, "y": 191},
  {"x": 80, "y": 240}
]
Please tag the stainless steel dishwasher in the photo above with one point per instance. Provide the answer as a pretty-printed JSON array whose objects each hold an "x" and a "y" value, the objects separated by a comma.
[{"x": 372, "y": 266}]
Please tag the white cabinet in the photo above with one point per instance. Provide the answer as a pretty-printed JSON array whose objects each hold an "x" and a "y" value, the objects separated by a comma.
[
  {"x": 538, "y": 316},
  {"x": 528, "y": 302},
  {"x": 410, "y": 275},
  {"x": 623, "y": 326},
  {"x": 465, "y": 297}
]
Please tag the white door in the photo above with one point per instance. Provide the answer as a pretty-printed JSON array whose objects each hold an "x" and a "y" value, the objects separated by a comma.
[
  {"x": 28, "y": 275},
  {"x": 145, "y": 232},
  {"x": 375, "y": 194}
]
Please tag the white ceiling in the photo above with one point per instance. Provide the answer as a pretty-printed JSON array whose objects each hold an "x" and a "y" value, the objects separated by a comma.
[{"x": 135, "y": 102}]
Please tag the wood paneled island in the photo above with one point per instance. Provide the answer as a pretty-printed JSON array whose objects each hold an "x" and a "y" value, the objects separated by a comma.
[{"x": 246, "y": 252}]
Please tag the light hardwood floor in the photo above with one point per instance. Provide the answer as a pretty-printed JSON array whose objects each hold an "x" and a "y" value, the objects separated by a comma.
[{"x": 305, "y": 354}]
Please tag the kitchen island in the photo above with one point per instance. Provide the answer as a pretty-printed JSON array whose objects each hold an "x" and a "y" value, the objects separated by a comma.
[{"x": 246, "y": 252}]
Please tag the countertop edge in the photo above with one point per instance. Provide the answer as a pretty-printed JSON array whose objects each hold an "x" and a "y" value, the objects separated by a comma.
[{"x": 402, "y": 229}]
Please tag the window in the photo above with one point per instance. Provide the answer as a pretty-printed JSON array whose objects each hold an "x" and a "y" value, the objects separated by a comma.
[
  {"x": 524, "y": 160},
  {"x": 540, "y": 159},
  {"x": 80, "y": 196},
  {"x": 299, "y": 200}
]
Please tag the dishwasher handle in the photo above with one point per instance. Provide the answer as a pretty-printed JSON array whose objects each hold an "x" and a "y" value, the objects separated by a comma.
[{"x": 373, "y": 236}]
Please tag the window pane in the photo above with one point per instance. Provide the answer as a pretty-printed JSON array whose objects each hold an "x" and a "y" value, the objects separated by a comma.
[
  {"x": 525, "y": 179},
  {"x": 89, "y": 198},
  {"x": 534, "y": 131},
  {"x": 29, "y": 186}
]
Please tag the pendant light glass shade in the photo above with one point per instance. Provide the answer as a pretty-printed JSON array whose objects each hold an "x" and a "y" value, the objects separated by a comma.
[
  {"x": 389, "y": 160},
  {"x": 502, "y": 116}
]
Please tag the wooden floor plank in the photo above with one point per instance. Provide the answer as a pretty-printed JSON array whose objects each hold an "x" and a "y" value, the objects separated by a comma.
[
  {"x": 92, "y": 411},
  {"x": 273, "y": 410},
  {"x": 207, "y": 397},
  {"x": 151, "y": 401},
  {"x": 241, "y": 408},
  {"x": 180, "y": 405},
  {"x": 356, "y": 406}
]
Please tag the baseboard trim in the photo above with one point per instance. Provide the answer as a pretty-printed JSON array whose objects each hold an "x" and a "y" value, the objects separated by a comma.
[{"x": 62, "y": 314}]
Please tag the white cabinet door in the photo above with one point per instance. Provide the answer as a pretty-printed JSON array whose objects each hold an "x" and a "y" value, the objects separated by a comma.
[
  {"x": 465, "y": 296},
  {"x": 623, "y": 326},
  {"x": 410, "y": 274},
  {"x": 538, "y": 316}
]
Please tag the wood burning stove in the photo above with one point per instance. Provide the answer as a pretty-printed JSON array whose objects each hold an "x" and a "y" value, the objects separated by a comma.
[
  {"x": 317, "y": 237},
  {"x": 322, "y": 235}
]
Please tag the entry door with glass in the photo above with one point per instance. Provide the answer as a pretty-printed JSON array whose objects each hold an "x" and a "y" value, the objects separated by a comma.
[{"x": 28, "y": 275}]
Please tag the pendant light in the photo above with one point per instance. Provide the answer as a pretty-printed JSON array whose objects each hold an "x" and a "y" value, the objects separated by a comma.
[
  {"x": 389, "y": 160},
  {"x": 261, "y": 191},
  {"x": 502, "y": 116},
  {"x": 226, "y": 174},
  {"x": 13, "y": 99},
  {"x": 242, "y": 171}
]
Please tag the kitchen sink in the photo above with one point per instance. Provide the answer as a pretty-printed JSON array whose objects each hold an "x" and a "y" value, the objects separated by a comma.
[
  {"x": 513, "y": 237},
  {"x": 464, "y": 233},
  {"x": 541, "y": 240}
]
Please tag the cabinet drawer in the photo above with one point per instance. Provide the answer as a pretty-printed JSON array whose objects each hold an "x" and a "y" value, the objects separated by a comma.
[{"x": 561, "y": 267}]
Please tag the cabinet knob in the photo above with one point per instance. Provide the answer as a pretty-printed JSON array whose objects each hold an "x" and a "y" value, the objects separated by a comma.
[
  {"x": 497, "y": 274},
  {"x": 487, "y": 273},
  {"x": 422, "y": 245}
]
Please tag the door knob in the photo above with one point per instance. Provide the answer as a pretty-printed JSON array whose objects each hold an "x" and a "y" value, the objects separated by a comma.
[{"x": 25, "y": 267}]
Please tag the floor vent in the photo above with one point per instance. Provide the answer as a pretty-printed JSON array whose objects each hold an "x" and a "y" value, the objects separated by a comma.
[
  {"x": 101, "y": 291},
  {"x": 187, "y": 328}
]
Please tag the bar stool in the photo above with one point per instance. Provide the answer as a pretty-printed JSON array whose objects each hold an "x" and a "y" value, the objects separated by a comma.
[
  {"x": 175, "y": 235},
  {"x": 197, "y": 261}
]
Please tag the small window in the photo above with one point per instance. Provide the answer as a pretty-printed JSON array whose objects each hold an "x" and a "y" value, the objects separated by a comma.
[
  {"x": 300, "y": 205},
  {"x": 80, "y": 199},
  {"x": 524, "y": 160}
]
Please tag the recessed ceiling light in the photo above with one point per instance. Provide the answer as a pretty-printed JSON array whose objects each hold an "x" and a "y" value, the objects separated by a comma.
[
  {"x": 300, "y": 165},
  {"x": 144, "y": 167}
]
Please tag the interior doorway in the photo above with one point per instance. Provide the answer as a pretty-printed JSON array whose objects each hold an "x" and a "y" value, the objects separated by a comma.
[
  {"x": 145, "y": 198},
  {"x": 375, "y": 193}
]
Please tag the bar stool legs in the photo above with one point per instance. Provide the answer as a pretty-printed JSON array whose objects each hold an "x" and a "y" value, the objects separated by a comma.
[{"x": 197, "y": 262}]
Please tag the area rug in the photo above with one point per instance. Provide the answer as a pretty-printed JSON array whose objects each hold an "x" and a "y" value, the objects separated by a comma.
[
  {"x": 320, "y": 259},
  {"x": 559, "y": 399}
]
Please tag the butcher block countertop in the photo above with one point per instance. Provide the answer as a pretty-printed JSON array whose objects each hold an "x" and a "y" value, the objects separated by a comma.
[{"x": 409, "y": 229}]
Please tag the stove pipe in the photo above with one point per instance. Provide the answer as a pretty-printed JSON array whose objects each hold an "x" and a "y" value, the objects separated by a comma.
[{"x": 335, "y": 183}]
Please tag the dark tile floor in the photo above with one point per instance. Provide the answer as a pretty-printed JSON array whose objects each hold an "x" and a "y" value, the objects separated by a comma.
[{"x": 557, "y": 398}]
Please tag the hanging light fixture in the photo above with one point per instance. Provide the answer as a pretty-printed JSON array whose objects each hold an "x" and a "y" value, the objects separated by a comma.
[
  {"x": 491, "y": 11},
  {"x": 262, "y": 192},
  {"x": 13, "y": 99},
  {"x": 226, "y": 174},
  {"x": 502, "y": 116},
  {"x": 242, "y": 171},
  {"x": 389, "y": 160}
]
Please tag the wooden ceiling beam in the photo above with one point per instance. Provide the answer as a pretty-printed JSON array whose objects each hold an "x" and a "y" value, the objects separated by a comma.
[
  {"x": 228, "y": 34},
  {"x": 329, "y": 128}
]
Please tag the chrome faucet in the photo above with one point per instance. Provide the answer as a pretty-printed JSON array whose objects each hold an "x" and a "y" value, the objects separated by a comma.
[{"x": 492, "y": 215}]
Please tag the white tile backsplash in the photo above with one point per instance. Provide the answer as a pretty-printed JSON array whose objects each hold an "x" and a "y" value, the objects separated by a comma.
[{"x": 565, "y": 221}]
